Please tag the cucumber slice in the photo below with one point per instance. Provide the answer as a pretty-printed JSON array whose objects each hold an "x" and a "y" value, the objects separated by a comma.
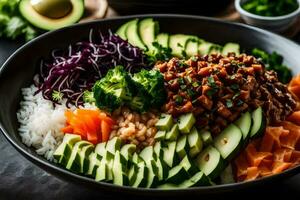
[
  {"x": 101, "y": 173},
  {"x": 127, "y": 151},
  {"x": 136, "y": 158},
  {"x": 74, "y": 160},
  {"x": 100, "y": 149},
  {"x": 195, "y": 142},
  {"x": 229, "y": 141},
  {"x": 215, "y": 49},
  {"x": 210, "y": 162},
  {"x": 199, "y": 179},
  {"x": 173, "y": 133},
  {"x": 165, "y": 122},
  {"x": 162, "y": 169},
  {"x": 83, "y": 157},
  {"x": 177, "y": 174},
  {"x": 141, "y": 177},
  {"x": 160, "y": 135},
  {"x": 121, "y": 32},
  {"x": 119, "y": 170},
  {"x": 231, "y": 48},
  {"x": 259, "y": 123},
  {"x": 182, "y": 146},
  {"x": 227, "y": 175},
  {"x": 113, "y": 145},
  {"x": 204, "y": 48},
  {"x": 64, "y": 150},
  {"x": 147, "y": 154},
  {"x": 186, "y": 122},
  {"x": 206, "y": 137},
  {"x": 94, "y": 163},
  {"x": 177, "y": 44},
  {"x": 132, "y": 174},
  {"x": 158, "y": 150},
  {"x": 244, "y": 123},
  {"x": 163, "y": 39},
  {"x": 132, "y": 34},
  {"x": 169, "y": 155},
  {"x": 189, "y": 166},
  {"x": 148, "y": 30},
  {"x": 191, "y": 47},
  {"x": 168, "y": 186}
]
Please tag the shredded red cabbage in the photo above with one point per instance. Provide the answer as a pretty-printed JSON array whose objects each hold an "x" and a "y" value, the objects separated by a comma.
[{"x": 70, "y": 72}]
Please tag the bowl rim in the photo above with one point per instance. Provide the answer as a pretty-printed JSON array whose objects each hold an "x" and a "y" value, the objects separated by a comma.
[
  {"x": 242, "y": 11},
  {"x": 50, "y": 166}
]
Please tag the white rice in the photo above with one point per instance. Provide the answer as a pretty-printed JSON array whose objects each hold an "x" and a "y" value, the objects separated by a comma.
[{"x": 40, "y": 122}]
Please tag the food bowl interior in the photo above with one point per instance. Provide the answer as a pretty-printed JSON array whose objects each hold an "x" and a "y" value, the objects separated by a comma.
[{"x": 18, "y": 71}]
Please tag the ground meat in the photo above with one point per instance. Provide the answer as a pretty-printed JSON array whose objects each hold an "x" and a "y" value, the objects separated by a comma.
[
  {"x": 217, "y": 89},
  {"x": 135, "y": 128}
]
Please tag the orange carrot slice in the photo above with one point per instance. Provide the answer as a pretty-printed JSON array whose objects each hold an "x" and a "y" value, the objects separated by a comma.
[{"x": 252, "y": 173}]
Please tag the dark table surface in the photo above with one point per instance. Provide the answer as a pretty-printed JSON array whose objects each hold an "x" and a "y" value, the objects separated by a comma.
[{"x": 20, "y": 179}]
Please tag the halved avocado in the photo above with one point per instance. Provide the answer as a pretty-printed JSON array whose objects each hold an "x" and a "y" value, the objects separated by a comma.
[{"x": 47, "y": 23}]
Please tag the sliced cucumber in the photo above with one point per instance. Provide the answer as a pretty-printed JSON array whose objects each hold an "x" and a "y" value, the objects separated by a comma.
[
  {"x": 132, "y": 174},
  {"x": 168, "y": 186},
  {"x": 121, "y": 32},
  {"x": 199, "y": 179},
  {"x": 64, "y": 150},
  {"x": 162, "y": 169},
  {"x": 141, "y": 177},
  {"x": 132, "y": 34},
  {"x": 119, "y": 170},
  {"x": 259, "y": 123},
  {"x": 160, "y": 135},
  {"x": 173, "y": 133},
  {"x": 165, "y": 122},
  {"x": 227, "y": 175},
  {"x": 177, "y": 174},
  {"x": 186, "y": 122},
  {"x": 244, "y": 123},
  {"x": 215, "y": 49},
  {"x": 94, "y": 163},
  {"x": 113, "y": 145},
  {"x": 101, "y": 173},
  {"x": 206, "y": 137},
  {"x": 158, "y": 150},
  {"x": 188, "y": 165},
  {"x": 148, "y": 30},
  {"x": 100, "y": 149},
  {"x": 231, "y": 48},
  {"x": 182, "y": 146},
  {"x": 83, "y": 157},
  {"x": 229, "y": 141},
  {"x": 177, "y": 44},
  {"x": 163, "y": 39},
  {"x": 204, "y": 48},
  {"x": 147, "y": 154},
  {"x": 170, "y": 156},
  {"x": 127, "y": 151},
  {"x": 74, "y": 160},
  {"x": 195, "y": 142},
  {"x": 210, "y": 162},
  {"x": 191, "y": 47},
  {"x": 136, "y": 158}
]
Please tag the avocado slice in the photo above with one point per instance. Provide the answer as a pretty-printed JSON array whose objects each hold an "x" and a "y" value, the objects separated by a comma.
[
  {"x": 195, "y": 142},
  {"x": 173, "y": 133},
  {"x": 160, "y": 135},
  {"x": 199, "y": 179},
  {"x": 169, "y": 155},
  {"x": 132, "y": 34},
  {"x": 121, "y": 32},
  {"x": 47, "y": 23},
  {"x": 188, "y": 165},
  {"x": 186, "y": 122},
  {"x": 182, "y": 146},
  {"x": 148, "y": 29},
  {"x": 231, "y": 48},
  {"x": 177, "y": 174},
  {"x": 63, "y": 151},
  {"x": 163, "y": 39}
]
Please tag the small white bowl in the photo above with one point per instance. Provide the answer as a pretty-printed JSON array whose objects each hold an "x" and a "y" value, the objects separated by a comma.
[{"x": 275, "y": 24}]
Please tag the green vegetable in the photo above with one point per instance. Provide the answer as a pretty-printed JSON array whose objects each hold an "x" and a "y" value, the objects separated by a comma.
[
  {"x": 114, "y": 89},
  {"x": 274, "y": 61},
  {"x": 150, "y": 90},
  {"x": 161, "y": 54},
  {"x": 12, "y": 25},
  {"x": 271, "y": 8},
  {"x": 57, "y": 96},
  {"x": 88, "y": 97}
]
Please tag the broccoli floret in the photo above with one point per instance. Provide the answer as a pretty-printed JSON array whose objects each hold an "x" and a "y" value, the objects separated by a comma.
[
  {"x": 139, "y": 103},
  {"x": 88, "y": 97},
  {"x": 113, "y": 90},
  {"x": 150, "y": 87}
]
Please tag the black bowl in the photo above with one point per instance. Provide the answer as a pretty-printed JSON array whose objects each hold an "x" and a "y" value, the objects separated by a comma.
[
  {"x": 198, "y": 7},
  {"x": 18, "y": 71}
]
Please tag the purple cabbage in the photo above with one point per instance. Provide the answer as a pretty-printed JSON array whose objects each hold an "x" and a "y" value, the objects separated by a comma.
[{"x": 72, "y": 71}]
